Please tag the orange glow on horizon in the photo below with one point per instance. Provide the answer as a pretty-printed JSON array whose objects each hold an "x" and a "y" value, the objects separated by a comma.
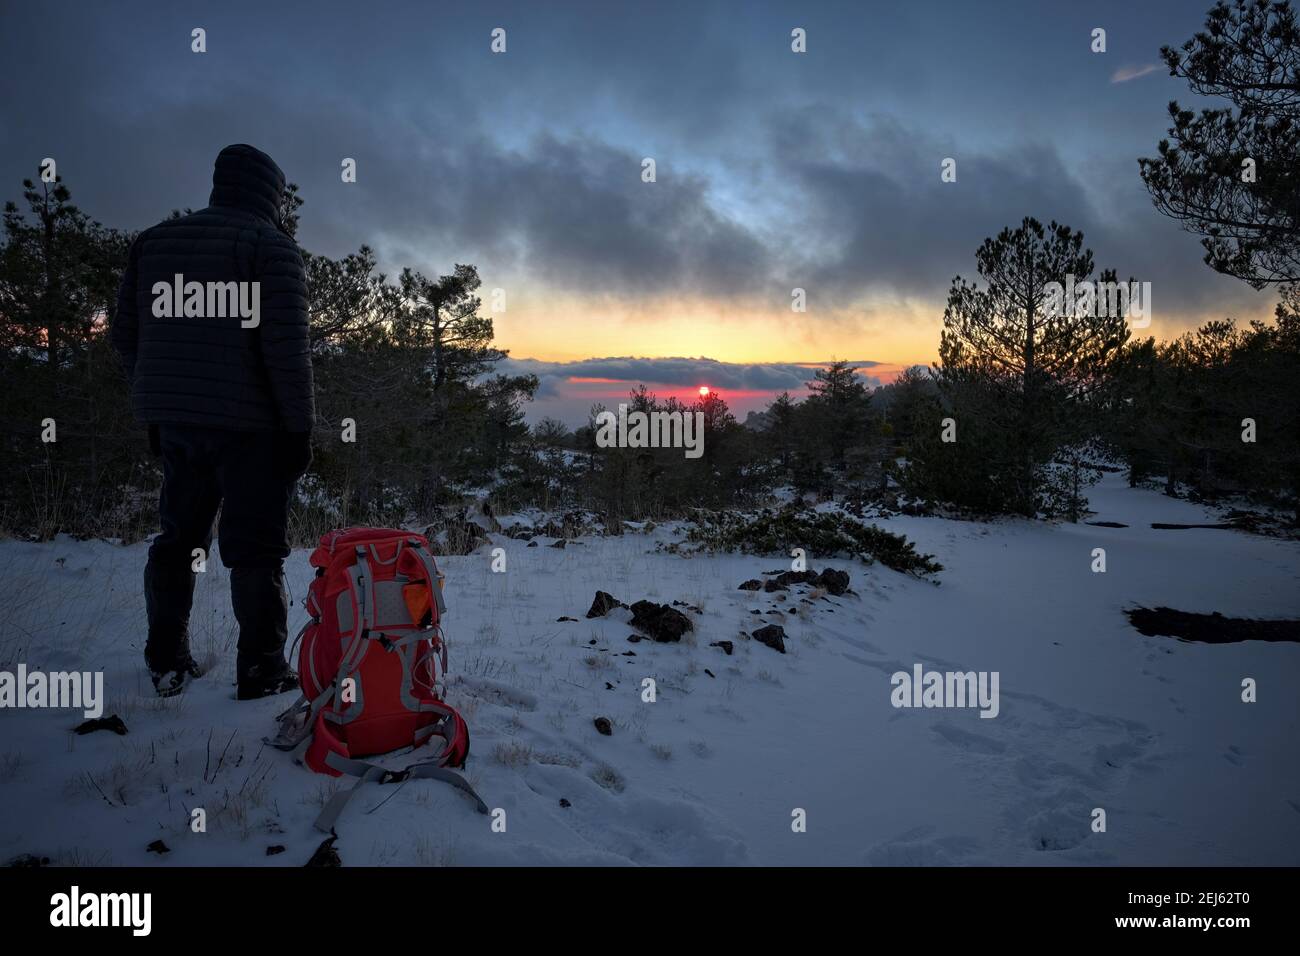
[
  {"x": 567, "y": 328},
  {"x": 563, "y": 327}
]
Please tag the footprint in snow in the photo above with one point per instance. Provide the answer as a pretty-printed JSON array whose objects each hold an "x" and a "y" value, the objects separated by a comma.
[{"x": 968, "y": 741}]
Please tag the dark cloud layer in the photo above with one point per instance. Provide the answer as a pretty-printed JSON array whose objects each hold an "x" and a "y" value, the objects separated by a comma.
[
  {"x": 773, "y": 172},
  {"x": 769, "y": 377}
]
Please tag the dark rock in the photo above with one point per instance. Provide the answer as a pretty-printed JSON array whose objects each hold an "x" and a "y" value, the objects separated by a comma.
[
  {"x": 159, "y": 847},
  {"x": 629, "y": 654},
  {"x": 773, "y": 635},
  {"x": 28, "y": 860},
  {"x": 565, "y": 803},
  {"x": 710, "y": 673},
  {"x": 275, "y": 850},
  {"x": 558, "y": 544},
  {"x": 563, "y": 618},
  {"x": 603, "y": 726},
  {"x": 797, "y": 577},
  {"x": 661, "y": 622},
  {"x": 727, "y": 646},
  {"x": 325, "y": 854},
  {"x": 753, "y": 584},
  {"x": 836, "y": 582},
  {"x": 608, "y": 686},
  {"x": 111, "y": 722},
  {"x": 634, "y": 638},
  {"x": 689, "y": 607},
  {"x": 532, "y": 544},
  {"x": 774, "y": 585},
  {"x": 603, "y": 603}
]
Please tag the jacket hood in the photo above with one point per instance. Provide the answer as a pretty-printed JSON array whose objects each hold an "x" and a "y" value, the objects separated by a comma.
[{"x": 246, "y": 178}]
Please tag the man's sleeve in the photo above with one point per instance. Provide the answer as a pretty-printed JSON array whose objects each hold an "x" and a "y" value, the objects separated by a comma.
[
  {"x": 125, "y": 327},
  {"x": 286, "y": 350}
]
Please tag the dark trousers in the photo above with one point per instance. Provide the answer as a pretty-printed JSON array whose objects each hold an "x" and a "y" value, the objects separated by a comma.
[{"x": 206, "y": 470}]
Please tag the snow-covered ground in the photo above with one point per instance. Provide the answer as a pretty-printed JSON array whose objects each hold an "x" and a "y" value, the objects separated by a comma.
[{"x": 1092, "y": 714}]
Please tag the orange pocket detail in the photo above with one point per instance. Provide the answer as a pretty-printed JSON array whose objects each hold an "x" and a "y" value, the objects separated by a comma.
[{"x": 417, "y": 602}]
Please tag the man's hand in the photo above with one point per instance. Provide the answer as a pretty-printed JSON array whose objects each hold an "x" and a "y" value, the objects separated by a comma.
[{"x": 292, "y": 454}]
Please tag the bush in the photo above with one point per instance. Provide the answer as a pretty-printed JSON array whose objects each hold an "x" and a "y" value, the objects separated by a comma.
[{"x": 825, "y": 533}]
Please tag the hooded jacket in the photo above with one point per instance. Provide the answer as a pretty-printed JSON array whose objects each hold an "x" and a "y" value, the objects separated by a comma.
[{"x": 220, "y": 365}]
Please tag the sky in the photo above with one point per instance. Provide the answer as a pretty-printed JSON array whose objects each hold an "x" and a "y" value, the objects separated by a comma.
[{"x": 774, "y": 170}]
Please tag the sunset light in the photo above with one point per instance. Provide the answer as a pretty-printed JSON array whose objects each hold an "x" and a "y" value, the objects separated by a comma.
[{"x": 354, "y": 406}]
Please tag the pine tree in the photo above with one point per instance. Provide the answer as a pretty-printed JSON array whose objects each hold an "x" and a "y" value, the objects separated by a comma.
[
  {"x": 59, "y": 271},
  {"x": 1017, "y": 363},
  {"x": 1228, "y": 175},
  {"x": 779, "y": 435},
  {"x": 838, "y": 411}
]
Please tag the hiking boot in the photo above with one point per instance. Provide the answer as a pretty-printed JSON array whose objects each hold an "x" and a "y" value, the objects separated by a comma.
[
  {"x": 254, "y": 685},
  {"x": 171, "y": 680}
]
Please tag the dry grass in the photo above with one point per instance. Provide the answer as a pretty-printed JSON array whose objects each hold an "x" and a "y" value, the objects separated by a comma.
[
  {"x": 558, "y": 760},
  {"x": 512, "y": 755},
  {"x": 609, "y": 778}
]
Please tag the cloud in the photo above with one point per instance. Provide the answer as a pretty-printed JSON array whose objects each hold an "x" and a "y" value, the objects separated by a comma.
[
  {"x": 1126, "y": 73},
  {"x": 576, "y": 212},
  {"x": 766, "y": 377},
  {"x": 529, "y": 165},
  {"x": 878, "y": 220}
]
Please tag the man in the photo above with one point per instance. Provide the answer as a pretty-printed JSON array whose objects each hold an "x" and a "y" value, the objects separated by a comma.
[{"x": 227, "y": 394}]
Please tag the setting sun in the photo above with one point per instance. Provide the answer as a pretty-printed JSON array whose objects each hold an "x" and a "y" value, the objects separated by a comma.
[{"x": 704, "y": 391}]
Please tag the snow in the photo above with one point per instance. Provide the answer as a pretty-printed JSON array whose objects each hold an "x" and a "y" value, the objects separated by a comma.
[{"x": 1092, "y": 714}]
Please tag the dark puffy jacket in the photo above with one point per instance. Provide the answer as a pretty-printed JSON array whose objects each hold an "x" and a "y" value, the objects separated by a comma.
[{"x": 205, "y": 370}]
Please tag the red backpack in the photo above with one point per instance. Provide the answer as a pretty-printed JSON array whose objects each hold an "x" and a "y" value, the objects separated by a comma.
[{"x": 369, "y": 664}]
